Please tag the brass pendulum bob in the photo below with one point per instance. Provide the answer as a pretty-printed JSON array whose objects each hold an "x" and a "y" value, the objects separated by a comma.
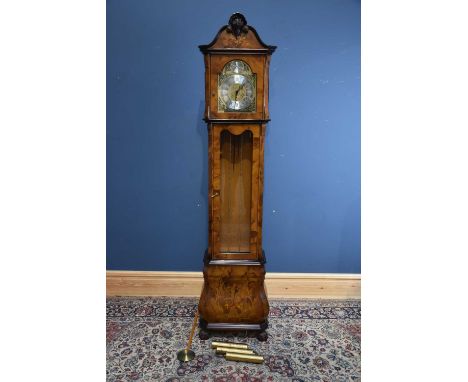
[{"x": 186, "y": 354}]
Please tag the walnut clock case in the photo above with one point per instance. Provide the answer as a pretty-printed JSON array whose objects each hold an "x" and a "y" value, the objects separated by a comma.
[{"x": 236, "y": 112}]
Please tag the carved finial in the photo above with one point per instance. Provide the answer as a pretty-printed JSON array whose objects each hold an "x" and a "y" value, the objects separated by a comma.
[{"x": 237, "y": 24}]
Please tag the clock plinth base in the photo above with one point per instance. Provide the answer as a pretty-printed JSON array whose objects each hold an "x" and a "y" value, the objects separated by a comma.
[
  {"x": 233, "y": 297},
  {"x": 206, "y": 329}
]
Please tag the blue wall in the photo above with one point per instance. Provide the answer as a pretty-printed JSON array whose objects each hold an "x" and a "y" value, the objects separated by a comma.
[{"x": 157, "y": 141}]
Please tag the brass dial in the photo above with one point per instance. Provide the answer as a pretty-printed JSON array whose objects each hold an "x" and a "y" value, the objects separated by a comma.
[{"x": 236, "y": 88}]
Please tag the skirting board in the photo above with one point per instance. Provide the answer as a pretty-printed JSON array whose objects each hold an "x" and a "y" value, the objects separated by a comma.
[{"x": 278, "y": 285}]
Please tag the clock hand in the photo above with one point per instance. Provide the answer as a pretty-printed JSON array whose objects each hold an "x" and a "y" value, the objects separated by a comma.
[{"x": 238, "y": 90}]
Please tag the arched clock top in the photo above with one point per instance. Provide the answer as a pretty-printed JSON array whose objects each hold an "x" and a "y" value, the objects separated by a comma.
[{"x": 239, "y": 37}]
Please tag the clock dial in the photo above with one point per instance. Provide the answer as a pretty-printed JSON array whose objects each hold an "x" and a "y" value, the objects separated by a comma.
[{"x": 236, "y": 88}]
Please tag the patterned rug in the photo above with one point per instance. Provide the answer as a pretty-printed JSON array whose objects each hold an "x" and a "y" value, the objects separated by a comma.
[{"x": 309, "y": 340}]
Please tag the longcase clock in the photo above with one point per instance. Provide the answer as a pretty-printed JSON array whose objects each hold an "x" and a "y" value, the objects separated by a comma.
[{"x": 236, "y": 112}]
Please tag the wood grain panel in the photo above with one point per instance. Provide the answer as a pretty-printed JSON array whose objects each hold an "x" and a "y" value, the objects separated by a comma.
[
  {"x": 278, "y": 285},
  {"x": 236, "y": 191},
  {"x": 219, "y": 209},
  {"x": 234, "y": 294}
]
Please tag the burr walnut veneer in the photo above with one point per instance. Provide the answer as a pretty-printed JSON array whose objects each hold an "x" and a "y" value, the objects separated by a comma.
[{"x": 236, "y": 112}]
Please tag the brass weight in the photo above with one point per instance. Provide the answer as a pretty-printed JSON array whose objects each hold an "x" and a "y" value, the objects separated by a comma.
[
  {"x": 221, "y": 350},
  {"x": 216, "y": 344},
  {"x": 244, "y": 357}
]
